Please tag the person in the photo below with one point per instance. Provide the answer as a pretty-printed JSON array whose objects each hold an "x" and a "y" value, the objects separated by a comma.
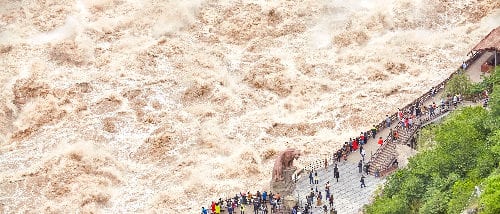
[
  {"x": 418, "y": 111},
  {"x": 213, "y": 207},
  {"x": 362, "y": 181},
  {"x": 377, "y": 172},
  {"x": 336, "y": 175},
  {"x": 311, "y": 197},
  {"x": 316, "y": 179},
  {"x": 325, "y": 208},
  {"x": 363, "y": 153},
  {"x": 217, "y": 208},
  {"x": 230, "y": 209},
  {"x": 374, "y": 131},
  {"x": 242, "y": 209},
  {"x": 249, "y": 197},
  {"x": 360, "y": 166},
  {"x": 204, "y": 211},
  {"x": 277, "y": 197},
  {"x": 355, "y": 145},
  {"x": 395, "y": 164},
  {"x": 387, "y": 121},
  {"x": 326, "y": 163},
  {"x": 380, "y": 141},
  {"x": 319, "y": 198},
  {"x": 330, "y": 200},
  {"x": 264, "y": 196},
  {"x": 455, "y": 100},
  {"x": 311, "y": 181}
]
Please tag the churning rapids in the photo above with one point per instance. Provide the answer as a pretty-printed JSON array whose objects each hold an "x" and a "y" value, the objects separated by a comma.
[{"x": 120, "y": 106}]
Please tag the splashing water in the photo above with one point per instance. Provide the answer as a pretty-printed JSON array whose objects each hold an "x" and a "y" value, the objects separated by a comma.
[{"x": 134, "y": 106}]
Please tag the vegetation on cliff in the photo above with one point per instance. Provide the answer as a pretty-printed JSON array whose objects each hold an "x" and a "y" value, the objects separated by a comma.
[{"x": 458, "y": 166}]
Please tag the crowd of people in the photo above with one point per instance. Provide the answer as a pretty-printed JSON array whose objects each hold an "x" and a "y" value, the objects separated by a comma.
[
  {"x": 258, "y": 203},
  {"x": 263, "y": 203}
]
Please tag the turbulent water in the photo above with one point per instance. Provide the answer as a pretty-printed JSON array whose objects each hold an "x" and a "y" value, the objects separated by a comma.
[{"x": 148, "y": 105}]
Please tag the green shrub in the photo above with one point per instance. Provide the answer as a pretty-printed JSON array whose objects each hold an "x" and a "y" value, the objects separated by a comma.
[{"x": 490, "y": 198}]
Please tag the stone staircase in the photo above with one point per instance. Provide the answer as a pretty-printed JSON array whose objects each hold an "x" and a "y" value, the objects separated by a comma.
[{"x": 383, "y": 157}]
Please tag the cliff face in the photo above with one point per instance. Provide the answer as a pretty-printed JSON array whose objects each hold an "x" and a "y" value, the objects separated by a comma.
[{"x": 129, "y": 106}]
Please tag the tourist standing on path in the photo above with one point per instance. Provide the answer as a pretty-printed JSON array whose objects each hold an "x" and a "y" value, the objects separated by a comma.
[
  {"x": 217, "y": 208},
  {"x": 333, "y": 211},
  {"x": 311, "y": 181},
  {"x": 374, "y": 131},
  {"x": 360, "y": 166},
  {"x": 380, "y": 141},
  {"x": 330, "y": 200},
  {"x": 336, "y": 175},
  {"x": 354, "y": 145},
  {"x": 204, "y": 211},
  {"x": 320, "y": 197},
  {"x": 326, "y": 164},
  {"x": 316, "y": 179},
  {"x": 387, "y": 121},
  {"x": 327, "y": 189},
  {"x": 362, "y": 181},
  {"x": 310, "y": 199},
  {"x": 242, "y": 209},
  {"x": 363, "y": 153}
]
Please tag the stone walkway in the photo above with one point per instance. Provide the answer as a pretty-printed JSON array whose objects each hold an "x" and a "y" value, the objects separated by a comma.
[{"x": 348, "y": 195}]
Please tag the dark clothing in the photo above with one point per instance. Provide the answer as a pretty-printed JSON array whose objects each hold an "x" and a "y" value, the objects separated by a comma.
[
  {"x": 336, "y": 175},
  {"x": 311, "y": 178},
  {"x": 362, "y": 182}
]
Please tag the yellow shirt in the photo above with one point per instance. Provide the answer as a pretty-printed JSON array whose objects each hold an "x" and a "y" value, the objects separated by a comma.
[{"x": 217, "y": 209}]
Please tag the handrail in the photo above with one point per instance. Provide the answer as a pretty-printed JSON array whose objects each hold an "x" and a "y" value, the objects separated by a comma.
[{"x": 420, "y": 100}]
